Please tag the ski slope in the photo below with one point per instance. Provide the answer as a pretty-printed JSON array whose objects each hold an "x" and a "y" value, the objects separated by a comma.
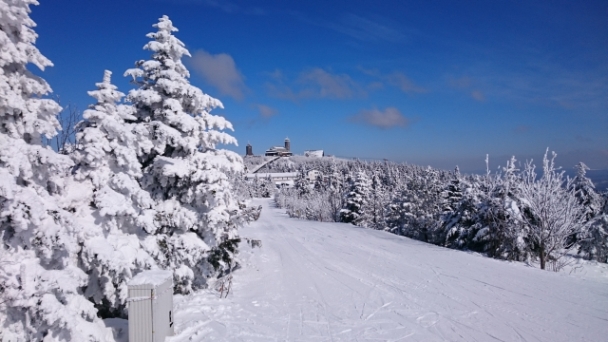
[{"x": 315, "y": 281}]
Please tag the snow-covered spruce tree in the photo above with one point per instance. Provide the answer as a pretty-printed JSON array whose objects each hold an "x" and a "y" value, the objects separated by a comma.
[
  {"x": 334, "y": 189},
  {"x": 400, "y": 210},
  {"x": 40, "y": 281},
  {"x": 357, "y": 200},
  {"x": 115, "y": 210},
  {"x": 594, "y": 242},
  {"x": 452, "y": 193},
  {"x": 197, "y": 216},
  {"x": 585, "y": 191},
  {"x": 378, "y": 198},
  {"x": 551, "y": 210},
  {"x": 502, "y": 235},
  {"x": 414, "y": 209},
  {"x": 451, "y": 200},
  {"x": 301, "y": 184}
]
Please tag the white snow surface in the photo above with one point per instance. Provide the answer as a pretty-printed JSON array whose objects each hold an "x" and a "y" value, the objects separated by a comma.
[
  {"x": 314, "y": 281},
  {"x": 151, "y": 277}
]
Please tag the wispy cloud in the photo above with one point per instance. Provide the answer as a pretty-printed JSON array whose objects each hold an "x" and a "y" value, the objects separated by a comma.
[
  {"x": 375, "y": 85},
  {"x": 219, "y": 71},
  {"x": 366, "y": 29},
  {"x": 314, "y": 83},
  {"x": 466, "y": 84},
  {"x": 406, "y": 85},
  {"x": 395, "y": 79},
  {"x": 463, "y": 82},
  {"x": 554, "y": 86},
  {"x": 478, "y": 95},
  {"x": 542, "y": 82},
  {"x": 225, "y": 6},
  {"x": 266, "y": 112},
  {"x": 388, "y": 118},
  {"x": 329, "y": 85},
  {"x": 222, "y": 5}
]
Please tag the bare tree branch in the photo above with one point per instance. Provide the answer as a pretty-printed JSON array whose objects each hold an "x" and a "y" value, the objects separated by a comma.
[{"x": 65, "y": 138}]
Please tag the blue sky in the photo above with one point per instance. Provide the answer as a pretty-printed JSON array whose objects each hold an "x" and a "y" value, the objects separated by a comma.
[{"x": 438, "y": 83}]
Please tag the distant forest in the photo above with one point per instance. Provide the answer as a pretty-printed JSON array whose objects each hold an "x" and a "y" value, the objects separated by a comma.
[{"x": 521, "y": 212}]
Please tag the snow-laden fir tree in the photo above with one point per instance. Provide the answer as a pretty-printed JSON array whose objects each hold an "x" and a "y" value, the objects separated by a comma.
[
  {"x": 116, "y": 211},
  {"x": 301, "y": 184},
  {"x": 356, "y": 201},
  {"x": 334, "y": 187},
  {"x": 412, "y": 207},
  {"x": 593, "y": 242},
  {"x": 378, "y": 197},
  {"x": 585, "y": 191},
  {"x": 40, "y": 281},
  {"x": 452, "y": 193},
  {"x": 183, "y": 170},
  {"x": 451, "y": 200},
  {"x": 400, "y": 210},
  {"x": 499, "y": 216}
]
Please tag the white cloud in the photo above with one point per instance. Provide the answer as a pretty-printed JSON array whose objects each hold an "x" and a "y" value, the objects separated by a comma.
[
  {"x": 220, "y": 72},
  {"x": 314, "y": 83},
  {"x": 329, "y": 85},
  {"x": 395, "y": 79},
  {"x": 266, "y": 111},
  {"x": 466, "y": 83},
  {"x": 478, "y": 95},
  {"x": 389, "y": 118},
  {"x": 402, "y": 82}
]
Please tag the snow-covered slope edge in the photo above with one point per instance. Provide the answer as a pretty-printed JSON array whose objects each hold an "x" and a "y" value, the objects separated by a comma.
[{"x": 315, "y": 281}]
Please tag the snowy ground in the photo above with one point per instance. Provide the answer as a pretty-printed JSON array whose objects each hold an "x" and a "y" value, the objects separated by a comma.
[{"x": 335, "y": 282}]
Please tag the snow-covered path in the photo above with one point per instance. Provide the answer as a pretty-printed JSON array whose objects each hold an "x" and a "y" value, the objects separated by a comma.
[{"x": 315, "y": 281}]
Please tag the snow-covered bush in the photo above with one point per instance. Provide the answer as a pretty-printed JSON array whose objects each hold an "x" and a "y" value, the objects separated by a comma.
[
  {"x": 40, "y": 281},
  {"x": 183, "y": 170}
]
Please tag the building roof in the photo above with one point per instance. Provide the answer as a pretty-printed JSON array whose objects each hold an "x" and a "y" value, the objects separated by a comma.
[
  {"x": 276, "y": 148},
  {"x": 272, "y": 175},
  {"x": 313, "y": 153}
]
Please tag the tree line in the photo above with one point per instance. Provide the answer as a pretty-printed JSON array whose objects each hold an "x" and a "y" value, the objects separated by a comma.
[{"x": 519, "y": 213}]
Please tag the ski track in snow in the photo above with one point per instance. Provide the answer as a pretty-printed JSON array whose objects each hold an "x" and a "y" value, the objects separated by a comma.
[{"x": 314, "y": 281}]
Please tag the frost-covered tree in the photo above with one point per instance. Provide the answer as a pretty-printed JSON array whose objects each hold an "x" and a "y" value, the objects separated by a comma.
[
  {"x": 40, "y": 281},
  {"x": 334, "y": 188},
  {"x": 107, "y": 172},
  {"x": 357, "y": 200},
  {"x": 452, "y": 193},
  {"x": 378, "y": 197},
  {"x": 301, "y": 184},
  {"x": 551, "y": 209},
  {"x": 262, "y": 187},
  {"x": 502, "y": 235},
  {"x": 183, "y": 170},
  {"x": 452, "y": 200},
  {"x": 585, "y": 191},
  {"x": 593, "y": 241}
]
